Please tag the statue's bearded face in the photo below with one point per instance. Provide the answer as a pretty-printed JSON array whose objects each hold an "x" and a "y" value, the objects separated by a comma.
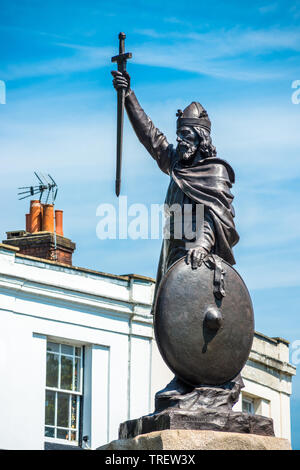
[{"x": 188, "y": 143}]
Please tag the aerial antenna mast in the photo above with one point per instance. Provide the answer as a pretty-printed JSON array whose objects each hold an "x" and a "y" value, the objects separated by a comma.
[{"x": 47, "y": 188}]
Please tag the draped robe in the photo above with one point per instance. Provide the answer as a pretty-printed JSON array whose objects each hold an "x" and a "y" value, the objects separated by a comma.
[{"x": 205, "y": 181}]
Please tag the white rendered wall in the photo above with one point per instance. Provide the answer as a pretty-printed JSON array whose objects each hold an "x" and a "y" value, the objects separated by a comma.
[
  {"x": 22, "y": 394},
  {"x": 101, "y": 317},
  {"x": 140, "y": 377}
]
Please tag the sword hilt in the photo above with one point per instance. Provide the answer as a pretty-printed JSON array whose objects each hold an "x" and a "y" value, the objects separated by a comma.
[
  {"x": 123, "y": 56},
  {"x": 122, "y": 37}
]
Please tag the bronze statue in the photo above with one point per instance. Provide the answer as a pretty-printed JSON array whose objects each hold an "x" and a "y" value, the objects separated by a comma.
[{"x": 204, "y": 324}]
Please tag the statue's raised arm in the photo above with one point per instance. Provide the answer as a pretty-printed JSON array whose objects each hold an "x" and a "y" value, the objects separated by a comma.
[{"x": 151, "y": 137}]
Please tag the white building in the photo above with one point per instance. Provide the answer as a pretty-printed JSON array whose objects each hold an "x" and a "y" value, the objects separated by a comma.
[
  {"x": 78, "y": 355},
  {"x": 94, "y": 330}
]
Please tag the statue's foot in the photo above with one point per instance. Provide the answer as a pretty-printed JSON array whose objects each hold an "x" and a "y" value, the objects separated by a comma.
[{"x": 175, "y": 387}]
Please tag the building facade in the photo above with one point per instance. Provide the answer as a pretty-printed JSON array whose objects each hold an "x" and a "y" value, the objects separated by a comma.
[{"x": 78, "y": 356}]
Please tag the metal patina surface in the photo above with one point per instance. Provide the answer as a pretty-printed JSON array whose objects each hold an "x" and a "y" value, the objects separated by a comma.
[{"x": 204, "y": 338}]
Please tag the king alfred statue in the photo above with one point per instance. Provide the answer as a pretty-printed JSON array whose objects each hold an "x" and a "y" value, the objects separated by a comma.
[
  {"x": 197, "y": 176},
  {"x": 203, "y": 316}
]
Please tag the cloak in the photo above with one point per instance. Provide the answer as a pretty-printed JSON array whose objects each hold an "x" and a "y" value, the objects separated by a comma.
[{"x": 208, "y": 182}]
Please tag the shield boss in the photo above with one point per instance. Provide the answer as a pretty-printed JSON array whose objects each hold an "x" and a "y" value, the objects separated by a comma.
[{"x": 203, "y": 340}]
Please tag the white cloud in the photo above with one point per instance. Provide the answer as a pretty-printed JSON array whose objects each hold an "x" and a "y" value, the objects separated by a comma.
[
  {"x": 82, "y": 59},
  {"x": 227, "y": 53},
  {"x": 230, "y": 42},
  {"x": 268, "y": 8}
]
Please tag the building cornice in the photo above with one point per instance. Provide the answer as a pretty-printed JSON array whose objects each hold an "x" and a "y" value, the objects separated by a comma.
[{"x": 272, "y": 363}]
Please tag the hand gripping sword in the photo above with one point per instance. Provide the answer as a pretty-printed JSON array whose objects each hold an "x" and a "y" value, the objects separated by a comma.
[{"x": 121, "y": 60}]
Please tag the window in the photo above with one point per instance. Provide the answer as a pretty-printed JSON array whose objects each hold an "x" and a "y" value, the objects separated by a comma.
[
  {"x": 63, "y": 392},
  {"x": 248, "y": 405}
]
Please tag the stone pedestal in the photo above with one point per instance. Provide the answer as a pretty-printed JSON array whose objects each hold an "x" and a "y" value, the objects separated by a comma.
[
  {"x": 203, "y": 419},
  {"x": 182, "y": 439}
]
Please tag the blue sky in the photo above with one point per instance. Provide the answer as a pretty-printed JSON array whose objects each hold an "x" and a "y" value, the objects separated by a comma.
[{"x": 238, "y": 59}]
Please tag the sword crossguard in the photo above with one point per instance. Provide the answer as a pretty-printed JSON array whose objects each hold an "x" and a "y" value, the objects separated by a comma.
[
  {"x": 121, "y": 60},
  {"x": 123, "y": 56}
]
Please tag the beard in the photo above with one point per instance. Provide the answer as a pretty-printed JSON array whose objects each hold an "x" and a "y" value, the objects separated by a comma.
[{"x": 186, "y": 151}]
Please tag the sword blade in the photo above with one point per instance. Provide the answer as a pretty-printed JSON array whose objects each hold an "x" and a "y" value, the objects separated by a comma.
[
  {"x": 120, "y": 122},
  {"x": 121, "y": 60}
]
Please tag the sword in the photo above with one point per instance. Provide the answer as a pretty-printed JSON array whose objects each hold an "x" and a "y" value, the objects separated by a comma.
[{"x": 121, "y": 60}]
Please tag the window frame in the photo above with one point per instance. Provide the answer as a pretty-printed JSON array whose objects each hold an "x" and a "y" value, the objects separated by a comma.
[
  {"x": 251, "y": 401},
  {"x": 77, "y": 393}
]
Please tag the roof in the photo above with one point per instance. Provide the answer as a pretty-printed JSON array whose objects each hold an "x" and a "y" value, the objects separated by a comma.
[{"x": 124, "y": 277}]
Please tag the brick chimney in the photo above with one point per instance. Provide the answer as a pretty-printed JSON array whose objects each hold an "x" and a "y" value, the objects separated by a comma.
[{"x": 43, "y": 237}]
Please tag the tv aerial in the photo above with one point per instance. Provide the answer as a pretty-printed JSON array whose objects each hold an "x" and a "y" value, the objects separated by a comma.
[{"x": 47, "y": 188}]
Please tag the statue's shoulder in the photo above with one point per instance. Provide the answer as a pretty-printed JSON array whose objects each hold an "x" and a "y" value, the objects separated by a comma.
[{"x": 224, "y": 168}]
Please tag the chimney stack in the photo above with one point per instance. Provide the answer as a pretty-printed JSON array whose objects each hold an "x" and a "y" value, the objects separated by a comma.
[
  {"x": 48, "y": 218},
  {"x": 44, "y": 236},
  {"x": 35, "y": 216},
  {"x": 59, "y": 222}
]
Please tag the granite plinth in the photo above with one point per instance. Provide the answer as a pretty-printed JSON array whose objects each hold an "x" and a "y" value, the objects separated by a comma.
[{"x": 182, "y": 439}]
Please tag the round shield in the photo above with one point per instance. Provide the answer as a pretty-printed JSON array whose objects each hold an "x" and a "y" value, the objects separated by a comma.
[{"x": 205, "y": 340}]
